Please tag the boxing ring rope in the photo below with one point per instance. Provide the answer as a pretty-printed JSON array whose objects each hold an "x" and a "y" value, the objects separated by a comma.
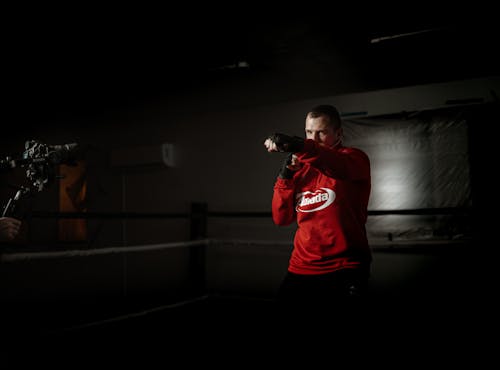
[{"x": 12, "y": 257}]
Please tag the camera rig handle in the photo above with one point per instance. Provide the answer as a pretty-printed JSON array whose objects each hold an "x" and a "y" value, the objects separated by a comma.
[{"x": 10, "y": 207}]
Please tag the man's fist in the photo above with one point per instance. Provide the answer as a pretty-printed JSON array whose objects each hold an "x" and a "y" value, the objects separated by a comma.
[
  {"x": 289, "y": 167},
  {"x": 278, "y": 142}
]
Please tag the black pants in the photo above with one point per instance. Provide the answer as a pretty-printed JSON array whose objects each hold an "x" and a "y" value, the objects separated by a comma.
[{"x": 338, "y": 290}]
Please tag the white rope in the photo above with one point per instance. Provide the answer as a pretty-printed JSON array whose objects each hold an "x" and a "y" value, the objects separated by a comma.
[{"x": 11, "y": 257}]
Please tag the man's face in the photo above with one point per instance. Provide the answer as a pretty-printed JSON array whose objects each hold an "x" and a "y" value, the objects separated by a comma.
[{"x": 320, "y": 130}]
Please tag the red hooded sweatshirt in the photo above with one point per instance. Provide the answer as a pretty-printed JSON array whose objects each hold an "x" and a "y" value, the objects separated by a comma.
[{"x": 328, "y": 198}]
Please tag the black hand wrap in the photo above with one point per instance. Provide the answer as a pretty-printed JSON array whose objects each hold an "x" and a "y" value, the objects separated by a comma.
[
  {"x": 286, "y": 143},
  {"x": 285, "y": 172}
]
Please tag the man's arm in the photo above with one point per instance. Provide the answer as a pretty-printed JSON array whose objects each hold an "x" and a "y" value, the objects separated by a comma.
[
  {"x": 9, "y": 228},
  {"x": 344, "y": 163}
]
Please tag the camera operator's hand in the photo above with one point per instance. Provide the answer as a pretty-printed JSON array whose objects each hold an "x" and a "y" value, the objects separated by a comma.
[
  {"x": 278, "y": 142},
  {"x": 289, "y": 166},
  {"x": 9, "y": 228}
]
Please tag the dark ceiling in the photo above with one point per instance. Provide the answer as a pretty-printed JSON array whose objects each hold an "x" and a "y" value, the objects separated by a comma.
[{"x": 75, "y": 66}]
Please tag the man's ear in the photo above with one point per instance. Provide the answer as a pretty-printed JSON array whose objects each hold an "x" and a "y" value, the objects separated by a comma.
[
  {"x": 340, "y": 136},
  {"x": 340, "y": 133}
]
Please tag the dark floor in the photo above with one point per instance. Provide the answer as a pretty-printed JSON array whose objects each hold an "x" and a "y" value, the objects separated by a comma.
[
  {"x": 185, "y": 331},
  {"x": 222, "y": 330}
]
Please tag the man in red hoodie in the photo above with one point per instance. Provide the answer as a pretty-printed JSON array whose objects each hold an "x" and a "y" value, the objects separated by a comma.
[{"x": 324, "y": 187}]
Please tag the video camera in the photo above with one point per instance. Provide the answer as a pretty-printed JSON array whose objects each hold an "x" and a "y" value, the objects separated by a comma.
[{"x": 40, "y": 161}]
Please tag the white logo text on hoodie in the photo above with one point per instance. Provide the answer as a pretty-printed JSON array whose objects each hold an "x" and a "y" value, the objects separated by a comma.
[{"x": 310, "y": 201}]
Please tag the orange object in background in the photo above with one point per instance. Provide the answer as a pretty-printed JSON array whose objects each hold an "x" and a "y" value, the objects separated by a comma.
[{"x": 72, "y": 198}]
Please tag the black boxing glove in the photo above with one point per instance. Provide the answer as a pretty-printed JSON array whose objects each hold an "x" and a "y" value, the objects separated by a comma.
[
  {"x": 285, "y": 172},
  {"x": 286, "y": 143}
]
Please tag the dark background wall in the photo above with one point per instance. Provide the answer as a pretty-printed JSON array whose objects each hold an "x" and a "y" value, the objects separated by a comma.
[{"x": 420, "y": 160}]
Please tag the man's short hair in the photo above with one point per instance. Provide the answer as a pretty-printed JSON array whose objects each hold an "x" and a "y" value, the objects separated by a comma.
[{"x": 328, "y": 111}]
